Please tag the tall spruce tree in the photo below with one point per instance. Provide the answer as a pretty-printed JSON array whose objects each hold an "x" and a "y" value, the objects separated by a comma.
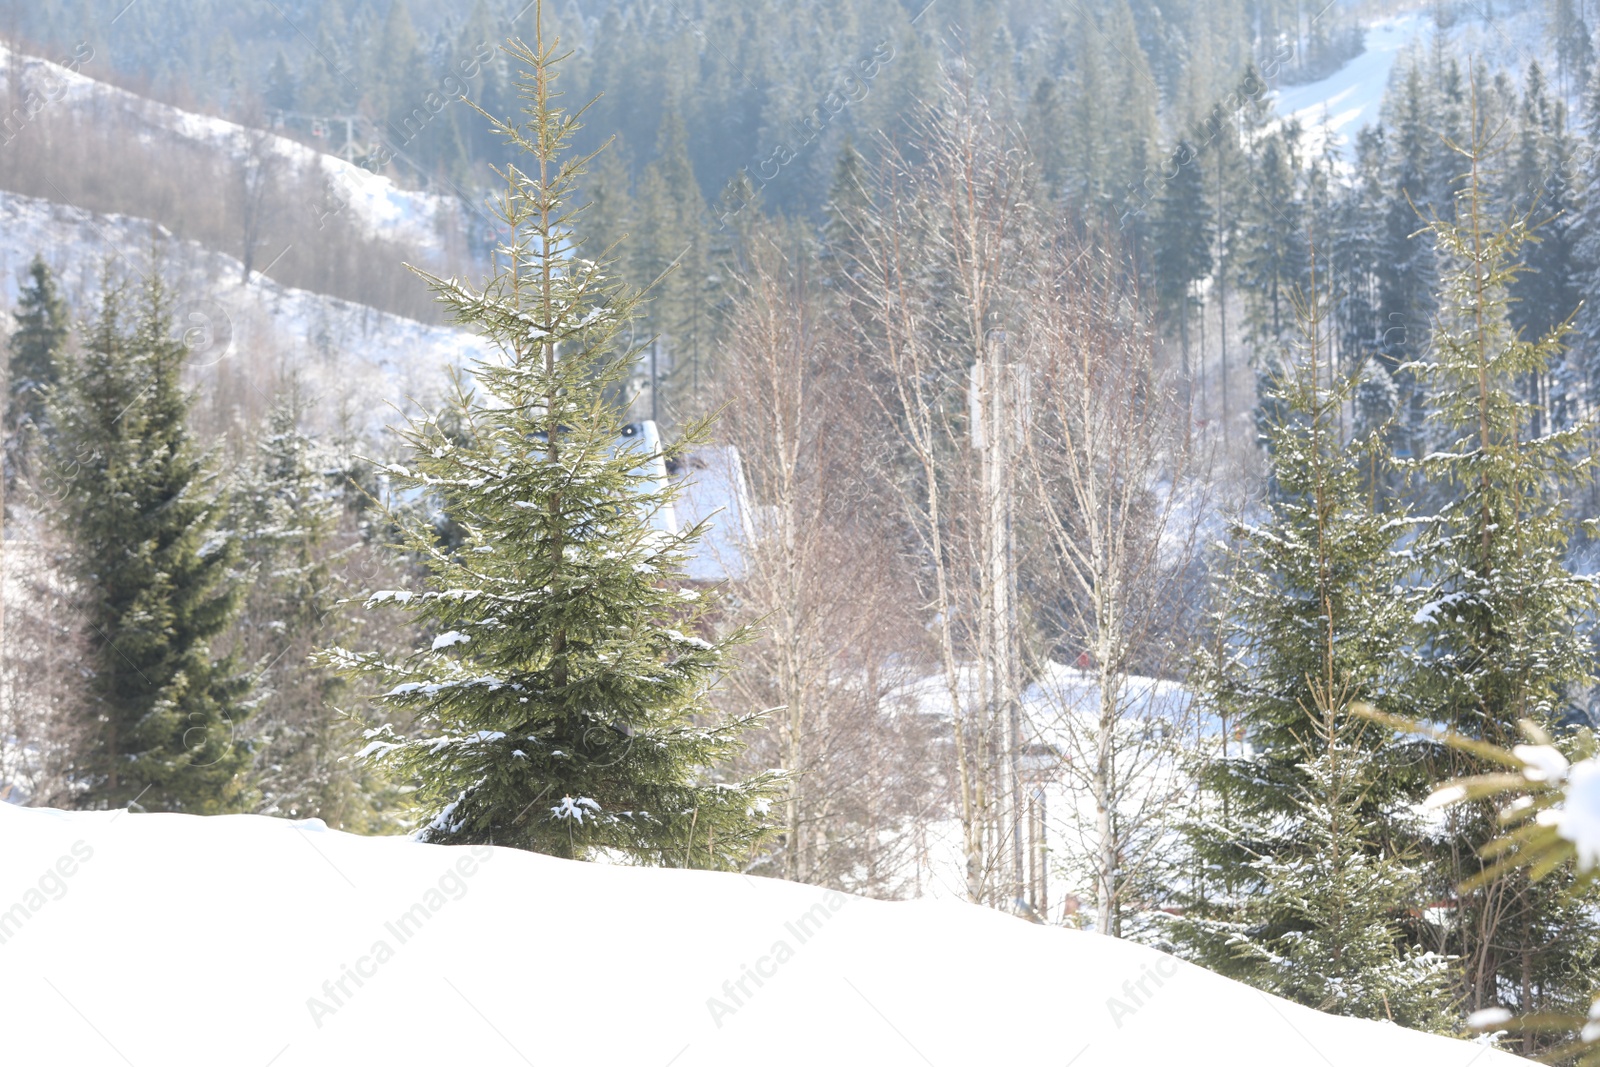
[
  {"x": 1505, "y": 629},
  {"x": 1181, "y": 239},
  {"x": 1405, "y": 264},
  {"x": 33, "y": 366},
  {"x": 139, "y": 508},
  {"x": 1301, "y": 877},
  {"x": 672, "y": 260},
  {"x": 1586, "y": 249},
  {"x": 562, "y": 703},
  {"x": 1544, "y": 291},
  {"x": 1272, "y": 240}
]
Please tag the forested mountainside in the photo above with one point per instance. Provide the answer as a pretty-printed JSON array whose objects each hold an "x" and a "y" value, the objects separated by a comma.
[
  {"x": 712, "y": 105},
  {"x": 737, "y": 75},
  {"x": 1153, "y": 118}
]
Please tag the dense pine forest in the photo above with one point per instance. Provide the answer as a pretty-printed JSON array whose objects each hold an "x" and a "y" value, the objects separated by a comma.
[{"x": 967, "y": 449}]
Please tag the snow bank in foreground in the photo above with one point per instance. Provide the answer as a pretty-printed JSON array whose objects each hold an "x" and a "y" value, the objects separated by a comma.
[{"x": 168, "y": 939}]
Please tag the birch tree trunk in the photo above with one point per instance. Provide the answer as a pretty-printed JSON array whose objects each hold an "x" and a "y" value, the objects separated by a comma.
[{"x": 1107, "y": 459}]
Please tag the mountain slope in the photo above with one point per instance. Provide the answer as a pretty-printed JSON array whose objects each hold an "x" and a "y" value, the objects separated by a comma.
[
  {"x": 381, "y": 207},
  {"x": 351, "y": 357}
]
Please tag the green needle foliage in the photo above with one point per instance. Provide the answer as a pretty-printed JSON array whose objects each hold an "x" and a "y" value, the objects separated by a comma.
[
  {"x": 37, "y": 344},
  {"x": 1504, "y": 627},
  {"x": 1304, "y": 880},
  {"x": 562, "y": 703},
  {"x": 139, "y": 507}
]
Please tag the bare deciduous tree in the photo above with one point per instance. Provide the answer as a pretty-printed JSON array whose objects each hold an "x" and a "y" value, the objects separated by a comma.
[
  {"x": 1107, "y": 462},
  {"x": 39, "y": 674},
  {"x": 822, "y": 582},
  {"x": 941, "y": 263},
  {"x": 259, "y": 169}
]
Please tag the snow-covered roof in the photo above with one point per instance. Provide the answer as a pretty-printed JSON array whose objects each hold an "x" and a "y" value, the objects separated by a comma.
[{"x": 715, "y": 491}]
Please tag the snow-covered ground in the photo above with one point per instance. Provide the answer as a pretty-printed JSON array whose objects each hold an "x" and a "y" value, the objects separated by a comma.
[
  {"x": 351, "y": 357},
  {"x": 1508, "y": 35},
  {"x": 1059, "y": 712},
  {"x": 174, "y": 940}
]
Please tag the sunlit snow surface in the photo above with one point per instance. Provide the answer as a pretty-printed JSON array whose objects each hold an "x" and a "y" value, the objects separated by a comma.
[
  {"x": 1502, "y": 35},
  {"x": 178, "y": 940},
  {"x": 1348, "y": 100}
]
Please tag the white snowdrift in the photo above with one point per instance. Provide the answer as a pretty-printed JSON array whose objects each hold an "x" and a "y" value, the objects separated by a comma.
[{"x": 242, "y": 940}]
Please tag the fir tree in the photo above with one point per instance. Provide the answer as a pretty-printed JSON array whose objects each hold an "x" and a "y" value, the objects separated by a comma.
[
  {"x": 1545, "y": 292},
  {"x": 845, "y": 213},
  {"x": 1227, "y": 164},
  {"x": 1354, "y": 239},
  {"x": 1406, "y": 271},
  {"x": 1338, "y": 898},
  {"x": 1181, "y": 240},
  {"x": 1272, "y": 241},
  {"x": 1585, "y": 342},
  {"x": 1574, "y": 46},
  {"x": 323, "y": 91},
  {"x": 1301, "y": 874},
  {"x": 139, "y": 507},
  {"x": 280, "y": 92},
  {"x": 671, "y": 261},
  {"x": 36, "y": 345},
  {"x": 562, "y": 703},
  {"x": 286, "y": 515},
  {"x": 1505, "y": 627}
]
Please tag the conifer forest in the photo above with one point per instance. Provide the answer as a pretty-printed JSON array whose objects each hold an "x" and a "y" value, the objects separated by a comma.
[{"x": 873, "y": 531}]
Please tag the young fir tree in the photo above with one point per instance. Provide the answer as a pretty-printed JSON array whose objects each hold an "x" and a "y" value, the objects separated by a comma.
[
  {"x": 139, "y": 507},
  {"x": 36, "y": 346},
  {"x": 1505, "y": 629},
  {"x": 562, "y": 703},
  {"x": 1300, "y": 877},
  {"x": 1341, "y": 894},
  {"x": 286, "y": 514}
]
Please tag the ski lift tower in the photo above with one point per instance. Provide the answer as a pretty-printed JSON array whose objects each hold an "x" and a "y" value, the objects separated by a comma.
[{"x": 320, "y": 125}]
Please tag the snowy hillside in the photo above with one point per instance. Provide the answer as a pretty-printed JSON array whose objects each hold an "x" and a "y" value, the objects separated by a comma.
[
  {"x": 414, "y": 219},
  {"x": 1347, "y": 101},
  {"x": 348, "y": 355},
  {"x": 175, "y": 940}
]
